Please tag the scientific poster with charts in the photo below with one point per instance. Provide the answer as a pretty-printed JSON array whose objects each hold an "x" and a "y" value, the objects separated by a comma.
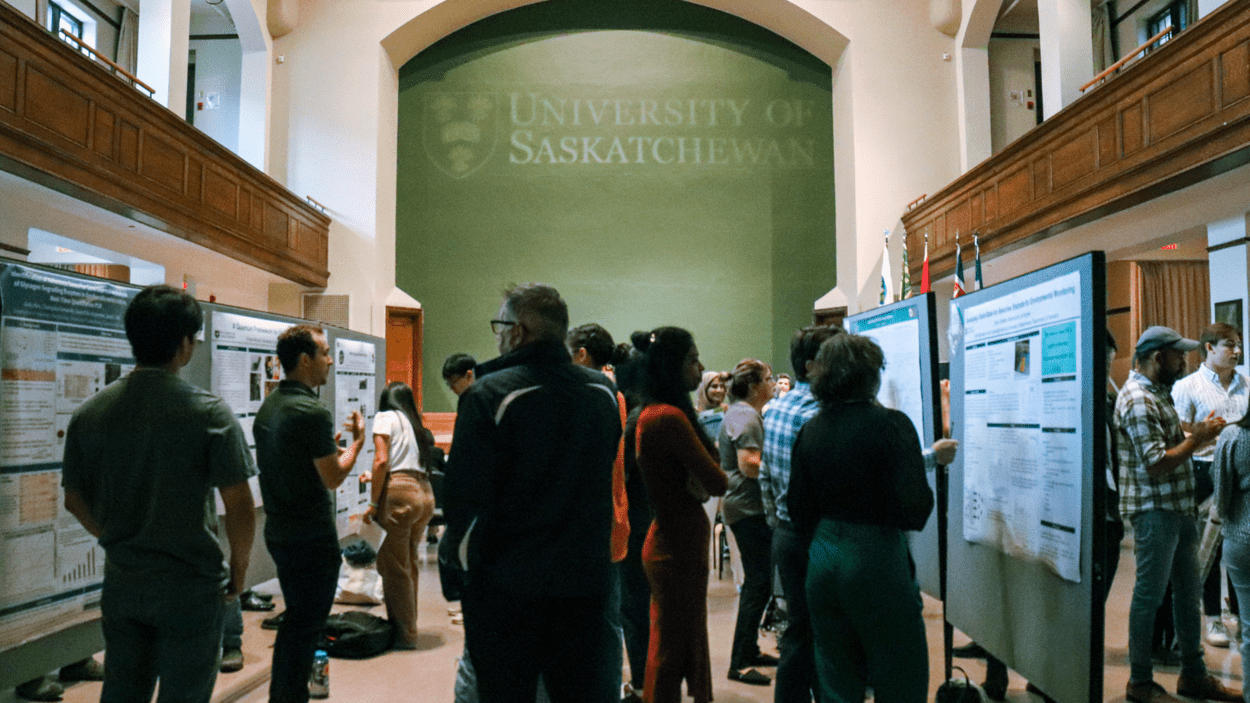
[
  {"x": 1022, "y": 414},
  {"x": 355, "y": 380},
  {"x": 898, "y": 334},
  {"x": 62, "y": 340},
  {"x": 245, "y": 369}
]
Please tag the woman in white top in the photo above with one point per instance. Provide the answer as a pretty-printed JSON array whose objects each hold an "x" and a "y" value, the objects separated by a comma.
[{"x": 402, "y": 503}]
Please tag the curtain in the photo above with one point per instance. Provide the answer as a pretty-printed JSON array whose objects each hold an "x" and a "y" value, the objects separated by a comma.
[
  {"x": 1100, "y": 24},
  {"x": 1174, "y": 294},
  {"x": 128, "y": 41}
]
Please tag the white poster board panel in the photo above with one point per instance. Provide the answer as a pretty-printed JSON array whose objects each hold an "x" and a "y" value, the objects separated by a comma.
[
  {"x": 355, "y": 380},
  {"x": 1022, "y": 424}
]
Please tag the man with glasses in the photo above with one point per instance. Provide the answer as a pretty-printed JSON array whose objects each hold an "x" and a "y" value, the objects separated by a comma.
[
  {"x": 1215, "y": 387},
  {"x": 529, "y": 485}
]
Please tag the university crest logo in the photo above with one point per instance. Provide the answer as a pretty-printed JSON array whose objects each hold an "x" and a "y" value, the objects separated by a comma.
[{"x": 460, "y": 131}]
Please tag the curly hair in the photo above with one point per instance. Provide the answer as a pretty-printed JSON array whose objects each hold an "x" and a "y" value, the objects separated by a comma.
[{"x": 848, "y": 368}]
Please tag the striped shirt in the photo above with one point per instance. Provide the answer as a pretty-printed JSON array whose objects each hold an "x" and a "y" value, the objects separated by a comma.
[
  {"x": 1147, "y": 426},
  {"x": 1201, "y": 392}
]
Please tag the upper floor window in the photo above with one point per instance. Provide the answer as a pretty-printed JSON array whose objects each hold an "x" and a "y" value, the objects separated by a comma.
[
  {"x": 1175, "y": 15},
  {"x": 59, "y": 19}
]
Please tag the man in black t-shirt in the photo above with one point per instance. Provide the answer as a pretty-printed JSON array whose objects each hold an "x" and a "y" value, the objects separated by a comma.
[{"x": 300, "y": 464}]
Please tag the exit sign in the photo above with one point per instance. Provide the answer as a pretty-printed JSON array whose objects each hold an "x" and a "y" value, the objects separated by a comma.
[{"x": 1168, "y": 247}]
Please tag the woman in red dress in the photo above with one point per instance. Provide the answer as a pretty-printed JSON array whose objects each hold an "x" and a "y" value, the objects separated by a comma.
[{"x": 677, "y": 462}]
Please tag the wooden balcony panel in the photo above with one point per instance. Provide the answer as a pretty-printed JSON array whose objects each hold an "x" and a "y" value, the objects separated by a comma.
[
  {"x": 1176, "y": 117},
  {"x": 68, "y": 123}
]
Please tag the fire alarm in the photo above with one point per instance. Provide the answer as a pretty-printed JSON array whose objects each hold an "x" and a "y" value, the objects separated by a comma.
[
  {"x": 1030, "y": 104},
  {"x": 199, "y": 106}
]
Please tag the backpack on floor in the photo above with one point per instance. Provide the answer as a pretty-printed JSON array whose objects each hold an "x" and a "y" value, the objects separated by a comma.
[{"x": 356, "y": 635}]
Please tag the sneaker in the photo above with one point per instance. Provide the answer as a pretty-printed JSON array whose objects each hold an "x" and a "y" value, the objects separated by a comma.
[
  {"x": 1207, "y": 688},
  {"x": 231, "y": 660},
  {"x": 1214, "y": 633},
  {"x": 1148, "y": 692}
]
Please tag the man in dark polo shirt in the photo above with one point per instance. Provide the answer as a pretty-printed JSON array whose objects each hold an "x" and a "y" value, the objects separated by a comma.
[
  {"x": 300, "y": 464},
  {"x": 142, "y": 458}
]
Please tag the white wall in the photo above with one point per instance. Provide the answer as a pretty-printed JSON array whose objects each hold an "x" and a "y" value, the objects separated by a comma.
[
  {"x": 26, "y": 7},
  {"x": 218, "y": 69},
  {"x": 335, "y": 106},
  {"x": 1011, "y": 69}
]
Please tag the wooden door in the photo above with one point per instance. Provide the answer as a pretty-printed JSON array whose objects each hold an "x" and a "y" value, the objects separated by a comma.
[{"x": 403, "y": 348}]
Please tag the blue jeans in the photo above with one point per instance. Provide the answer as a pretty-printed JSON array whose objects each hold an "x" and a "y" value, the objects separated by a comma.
[
  {"x": 232, "y": 637},
  {"x": 160, "y": 634},
  {"x": 1165, "y": 546},
  {"x": 796, "y": 672},
  {"x": 308, "y": 572},
  {"x": 1237, "y": 563},
  {"x": 866, "y": 615}
]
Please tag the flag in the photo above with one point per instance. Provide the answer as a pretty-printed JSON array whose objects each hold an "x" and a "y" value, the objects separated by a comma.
[
  {"x": 886, "y": 275},
  {"x": 977, "y": 282},
  {"x": 904, "y": 288},
  {"x": 959, "y": 270},
  {"x": 924, "y": 268}
]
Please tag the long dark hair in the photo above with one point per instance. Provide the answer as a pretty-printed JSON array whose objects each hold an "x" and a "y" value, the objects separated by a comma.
[
  {"x": 664, "y": 354},
  {"x": 398, "y": 396}
]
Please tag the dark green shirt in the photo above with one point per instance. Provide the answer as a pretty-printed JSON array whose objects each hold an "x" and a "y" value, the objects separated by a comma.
[
  {"x": 145, "y": 453},
  {"x": 291, "y": 430}
]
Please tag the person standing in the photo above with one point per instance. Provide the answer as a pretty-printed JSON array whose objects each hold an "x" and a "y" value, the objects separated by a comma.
[
  {"x": 1157, "y": 496},
  {"x": 142, "y": 458},
  {"x": 529, "y": 486},
  {"x": 740, "y": 444},
  {"x": 676, "y": 461},
  {"x": 1214, "y": 387},
  {"x": 300, "y": 465}
]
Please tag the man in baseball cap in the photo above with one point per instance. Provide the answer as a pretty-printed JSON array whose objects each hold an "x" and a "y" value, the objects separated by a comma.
[{"x": 1157, "y": 496}]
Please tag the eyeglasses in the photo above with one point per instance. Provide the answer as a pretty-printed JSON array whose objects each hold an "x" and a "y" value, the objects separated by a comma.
[{"x": 498, "y": 326}]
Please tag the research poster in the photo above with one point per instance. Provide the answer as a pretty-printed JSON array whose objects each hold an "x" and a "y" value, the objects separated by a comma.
[
  {"x": 1022, "y": 444},
  {"x": 245, "y": 369},
  {"x": 898, "y": 334},
  {"x": 62, "y": 340},
  {"x": 355, "y": 378}
]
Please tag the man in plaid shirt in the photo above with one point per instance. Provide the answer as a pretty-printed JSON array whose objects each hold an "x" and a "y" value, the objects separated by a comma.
[{"x": 1157, "y": 496}]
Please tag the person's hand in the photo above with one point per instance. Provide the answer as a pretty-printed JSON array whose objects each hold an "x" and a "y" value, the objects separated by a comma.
[
  {"x": 1208, "y": 429},
  {"x": 944, "y": 451},
  {"x": 370, "y": 512},
  {"x": 356, "y": 425}
]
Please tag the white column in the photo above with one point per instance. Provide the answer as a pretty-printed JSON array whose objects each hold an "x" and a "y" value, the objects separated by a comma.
[
  {"x": 1067, "y": 51},
  {"x": 255, "y": 83},
  {"x": 1228, "y": 267},
  {"x": 164, "y": 49},
  {"x": 973, "y": 84}
]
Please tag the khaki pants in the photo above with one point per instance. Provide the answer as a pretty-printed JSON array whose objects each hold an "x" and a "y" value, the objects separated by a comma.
[{"x": 406, "y": 509}]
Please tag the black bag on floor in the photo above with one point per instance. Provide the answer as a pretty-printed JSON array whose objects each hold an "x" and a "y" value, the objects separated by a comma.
[
  {"x": 956, "y": 691},
  {"x": 356, "y": 635}
]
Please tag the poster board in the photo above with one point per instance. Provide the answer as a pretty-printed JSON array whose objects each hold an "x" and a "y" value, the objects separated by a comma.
[
  {"x": 907, "y": 332},
  {"x": 1026, "y": 504}
]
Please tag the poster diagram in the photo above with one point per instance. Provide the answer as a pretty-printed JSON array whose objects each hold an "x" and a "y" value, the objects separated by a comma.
[
  {"x": 355, "y": 377},
  {"x": 1023, "y": 441},
  {"x": 245, "y": 369},
  {"x": 898, "y": 334},
  {"x": 61, "y": 342}
]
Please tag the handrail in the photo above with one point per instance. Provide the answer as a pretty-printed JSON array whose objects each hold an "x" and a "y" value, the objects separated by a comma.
[
  {"x": 315, "y": 204},
  {"x": 1116, "y": 66},
  {"x": 109, "y": 62},
  {"x": 915, "y": 202}
]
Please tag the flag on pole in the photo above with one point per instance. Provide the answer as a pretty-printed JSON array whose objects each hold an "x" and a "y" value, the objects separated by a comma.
[
  {"x": 887, "y": 278},
  {"x": 977, "y": 282},
  {"x": 924, "y": 268},
  {"x": 959, "y": 269},
  {"x": 904, "y": 288}
]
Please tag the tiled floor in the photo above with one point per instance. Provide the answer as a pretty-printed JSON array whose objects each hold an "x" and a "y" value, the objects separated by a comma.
[{"x": 427, "y": 674}]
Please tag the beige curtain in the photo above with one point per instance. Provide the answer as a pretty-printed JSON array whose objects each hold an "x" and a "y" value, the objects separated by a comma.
[
  {"x": 128, "y": 41},
  {"x": 1174, "y": 294},
  {"x": 1100, "y": 23}
]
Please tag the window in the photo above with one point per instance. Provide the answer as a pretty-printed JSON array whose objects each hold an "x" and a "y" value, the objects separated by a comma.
[
  {"x": 1175, "y": 15},
  {"x": 59, "y": 19}
]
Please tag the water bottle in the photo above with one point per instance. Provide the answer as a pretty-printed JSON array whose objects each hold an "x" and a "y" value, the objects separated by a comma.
[{"x": 319, "y": 682}]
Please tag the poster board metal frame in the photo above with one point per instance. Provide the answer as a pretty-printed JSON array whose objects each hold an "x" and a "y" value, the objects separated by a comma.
[
  {"x": 926, "y": 545},
  {"x": 1020, "y": 611}
]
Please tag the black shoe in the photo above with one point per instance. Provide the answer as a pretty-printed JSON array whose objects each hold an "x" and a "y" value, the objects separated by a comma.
[
  {"x": 972, "y": 650},
  {"x": 762, "y": 659},
  {"x": 272, "y": 623},
  {"x": 86, "y": 670},
  {"x": 251, "y": 601},
  {"x": 995, "y": 680},
  {"x": 40, "y": 689},
  {"x": 751, "y": 676}
]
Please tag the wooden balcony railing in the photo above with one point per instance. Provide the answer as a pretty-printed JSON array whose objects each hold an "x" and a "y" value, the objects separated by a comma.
[
  {"x": 117, "y": 69},
  {"x": 1178, "y": 116},
  {"x": 68, "y": 123}
]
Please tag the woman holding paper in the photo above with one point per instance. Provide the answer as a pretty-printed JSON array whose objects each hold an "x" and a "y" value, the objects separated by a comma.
[{"x": 857, "y": 483}]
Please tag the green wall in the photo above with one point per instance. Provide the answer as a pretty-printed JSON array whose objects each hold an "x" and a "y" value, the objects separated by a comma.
[{"x": 657, "y": 162}]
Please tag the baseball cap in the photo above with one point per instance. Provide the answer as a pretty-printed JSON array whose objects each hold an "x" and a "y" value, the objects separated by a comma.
[{"x": 1160, "y": 337}]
